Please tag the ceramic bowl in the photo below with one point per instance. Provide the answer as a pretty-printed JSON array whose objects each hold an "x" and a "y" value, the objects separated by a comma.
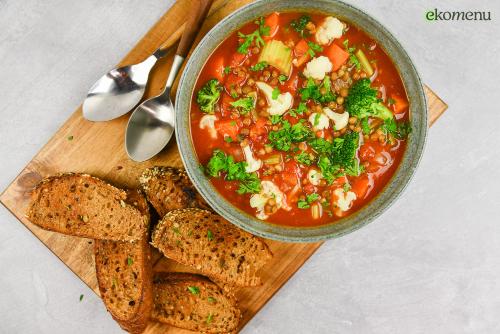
[{"x": 416, "y": 141}]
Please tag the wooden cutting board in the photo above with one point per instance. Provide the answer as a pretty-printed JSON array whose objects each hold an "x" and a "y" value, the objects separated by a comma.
[{"x": 98, "y": 149}]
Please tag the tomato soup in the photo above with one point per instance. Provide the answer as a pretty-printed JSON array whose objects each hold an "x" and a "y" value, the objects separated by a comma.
[{"x": 299, "y": 119}]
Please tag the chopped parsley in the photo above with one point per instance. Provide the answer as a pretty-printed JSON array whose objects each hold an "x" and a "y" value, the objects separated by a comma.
[
  {"x": 282, "y": 78},
  {"x": 391, "y": 101},
  {"x": 304, "y": 158},
  {"x": 228, "y": 139},
  {"x": 194, "y": 290},
  {"x": 313, "y": 91},
  {"x": 256, "y": 36},
  {"x": 211, "y": 299},
  {"x": 210, "y": 318},
  {"x": 317, "y": 116},
  {"x": 235, "y": 171},
  {"x": 259, "y": 66},
  {"x": 81, "y": 297},
  {"x": 227, "y": 70},
  {"x": 275, "y": 119},
  {"x": 314, "y": 48},
  {"x": 283, "y": 138},
  {"x": 299, "y": 25},
  {"x": 130, "y": 261},
  {"x": 352, "y": 56},
  {"x": 244, "y": 105},
  {"x": 399, "y": 130},
  {"x": 276, "y": 93},
  {"x": 300, "y": 110},
  {"x": 210, "y": 235},
  {"x": 304, "y": 204}
]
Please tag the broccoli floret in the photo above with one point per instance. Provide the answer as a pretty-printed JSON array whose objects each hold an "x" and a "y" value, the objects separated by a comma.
[
  {"x": 208, "y": 96},
  {"x": 345, "y": 154},
  {"x": 244, "y": 105},
  {"x": 362, "y": 102}
]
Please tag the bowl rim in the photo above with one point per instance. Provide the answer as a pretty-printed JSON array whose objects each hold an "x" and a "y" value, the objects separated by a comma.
[{"x": 369, "y": 211}]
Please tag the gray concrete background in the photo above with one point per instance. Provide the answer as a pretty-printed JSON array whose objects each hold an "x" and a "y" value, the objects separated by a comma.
[{"x": 431, "y": 264}]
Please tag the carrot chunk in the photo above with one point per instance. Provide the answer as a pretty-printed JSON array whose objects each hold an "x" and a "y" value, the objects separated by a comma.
[
  {"x": 400, "y": 104},
  {"x": 337, "y": 56},
  {"x": 272, "y": 21}
]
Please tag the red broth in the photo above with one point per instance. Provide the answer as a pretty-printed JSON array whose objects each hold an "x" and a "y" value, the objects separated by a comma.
[{"x": 298, "y": 200}]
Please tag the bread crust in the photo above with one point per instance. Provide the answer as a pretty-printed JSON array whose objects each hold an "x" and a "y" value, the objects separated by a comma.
[
  {"x": 169, "y": 188},
  {"x": 193, "y": 302},
  {"x": 210, "y": 244},
  {"x": 85, "y": 206}
]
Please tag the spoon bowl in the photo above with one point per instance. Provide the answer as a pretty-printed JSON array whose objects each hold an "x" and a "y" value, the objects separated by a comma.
[
  {"x": 150, "y": 127},
  {"x": 118, "y": 91}
]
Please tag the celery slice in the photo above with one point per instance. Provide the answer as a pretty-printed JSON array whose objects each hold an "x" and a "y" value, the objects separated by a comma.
[
  {"x": 277, "y": 54},
  {"x": 365, "y": 63}
]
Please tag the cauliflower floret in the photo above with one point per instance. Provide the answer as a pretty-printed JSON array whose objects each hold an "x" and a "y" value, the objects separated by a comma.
[
  {"x": 314, "y": 177},
  {"x": 279, "y": 105},
  {"x": 318, "y": 67},
  {"x": 344, "y": 199},
  {"x": 207, "y": 122},
  {"x": 319, "y": 121},
  {"x": 268, "y": 190},
  {"x": 340, "y": 120},
  {"x": 252, "y": 163},
  {"x": 330, "y": 29}
]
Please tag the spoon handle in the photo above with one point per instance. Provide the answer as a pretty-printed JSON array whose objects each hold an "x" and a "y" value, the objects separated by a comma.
[
  {"x": 171, "y": 40},
  {"x": 192, "y": 27}
]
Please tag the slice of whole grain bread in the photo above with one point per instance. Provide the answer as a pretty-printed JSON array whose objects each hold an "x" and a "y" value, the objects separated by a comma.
[
  {"x": 125, "y": 275},
  {"x": 85, "y": 206},
  {"x": 212, "y": 245},
  {"x": 169, "y": 188},
  {"x": 193, "y": 302}
]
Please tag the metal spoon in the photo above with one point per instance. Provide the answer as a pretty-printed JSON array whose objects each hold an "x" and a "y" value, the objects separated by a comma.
[
  {"x": 151, "y": 125},
  {"x": 118, "y": 91}
]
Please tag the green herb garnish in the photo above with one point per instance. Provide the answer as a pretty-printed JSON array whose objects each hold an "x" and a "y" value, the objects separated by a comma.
[
  {"x": 194, "y": 290},
  {"x": 276, "y": 93},
  {"x": 299, "y": 25},
  {"x": 304, "y": 204},
  {"x": 259, "y": 66},
  {"x": 244, "y": 105},
  {"x": 235, "y": 171},
  {"x": 210, "y": 235},
  {"x": 304, "y": 158},
  {"x": 130, "y": 261}
]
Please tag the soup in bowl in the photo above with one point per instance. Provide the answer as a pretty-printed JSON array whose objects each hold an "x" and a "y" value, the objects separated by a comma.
[{"x": 299, "y": 120}]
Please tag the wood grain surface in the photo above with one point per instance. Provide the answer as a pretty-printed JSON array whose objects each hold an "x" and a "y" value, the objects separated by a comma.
[{"x": 98, "y": 149}]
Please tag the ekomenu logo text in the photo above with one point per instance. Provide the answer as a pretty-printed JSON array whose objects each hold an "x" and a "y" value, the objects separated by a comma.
[{"x": 438, "y": 15}]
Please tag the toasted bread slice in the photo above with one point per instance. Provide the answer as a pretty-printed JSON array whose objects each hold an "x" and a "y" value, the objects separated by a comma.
[
  {"x": 193, "y": 302},
  {"x": 85, "y": 206},
  {"x": 169, "y": 188},
  {"x": 212, "y": 245},
  {"x": 125, "y": 275}
]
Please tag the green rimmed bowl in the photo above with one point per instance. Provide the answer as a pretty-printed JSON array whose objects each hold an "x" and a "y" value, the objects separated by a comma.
[{"x": 402, "y": 176}]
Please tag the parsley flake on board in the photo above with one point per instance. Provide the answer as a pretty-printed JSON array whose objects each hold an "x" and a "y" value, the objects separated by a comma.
[{"x": 194, "y": 290}]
